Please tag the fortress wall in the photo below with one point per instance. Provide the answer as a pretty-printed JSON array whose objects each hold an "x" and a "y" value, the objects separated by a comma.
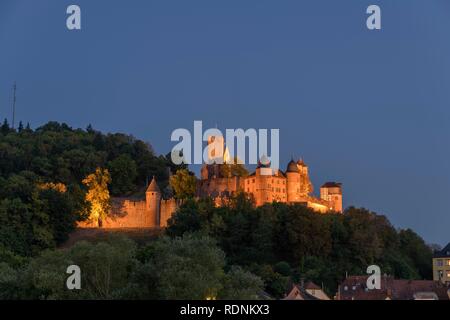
[
  {"x": 168, "y": 208},
  {"x": 133, "y": 214},
  {"x": 127, "y": 214}
]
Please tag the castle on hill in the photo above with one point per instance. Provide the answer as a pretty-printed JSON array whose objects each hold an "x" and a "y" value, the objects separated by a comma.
[{"x": 265, "y": 185}]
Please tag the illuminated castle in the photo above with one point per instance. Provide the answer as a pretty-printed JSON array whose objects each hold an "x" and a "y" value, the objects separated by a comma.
[{"x": 265, "y": 185}]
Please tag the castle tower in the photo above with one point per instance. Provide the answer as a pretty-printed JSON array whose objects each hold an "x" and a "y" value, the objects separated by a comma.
[
  {"x": 332, "y": 192},
  {"x": 293, "y": 182},
  {"x": 306, "y": 186},
  {"x": 263, "y": 187},
  {"x": 302, "y": 167},
  {"x": 215, "y": 149},
  {"x": 153, "y": 201}
]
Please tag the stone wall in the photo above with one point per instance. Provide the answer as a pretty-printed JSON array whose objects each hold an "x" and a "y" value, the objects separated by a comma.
[
  {"x": 168, "y": 208},
  {"x": 136, "y": 214}
]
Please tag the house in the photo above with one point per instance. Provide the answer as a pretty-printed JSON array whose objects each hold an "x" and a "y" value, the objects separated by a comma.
[
  {"x": 441, "y": 265},
  {"x": 306, "y": 291},
  {"x": 355, "y": 288}
]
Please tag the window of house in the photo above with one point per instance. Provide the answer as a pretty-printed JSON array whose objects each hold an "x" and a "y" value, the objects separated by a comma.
[
  {"x": 439, "y": 262},
  {"x": 448, "y": 262}
]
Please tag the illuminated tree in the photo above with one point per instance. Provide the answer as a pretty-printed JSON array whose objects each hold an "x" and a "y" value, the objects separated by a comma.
[
  {"x": 183, "y": 184},
  {"x": 98, "y": 194}
]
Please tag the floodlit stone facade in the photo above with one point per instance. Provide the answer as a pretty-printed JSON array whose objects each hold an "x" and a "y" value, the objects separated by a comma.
[{"x": 264, "y": 186}]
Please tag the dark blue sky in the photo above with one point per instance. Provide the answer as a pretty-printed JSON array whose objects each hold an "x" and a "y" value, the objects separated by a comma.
[{"x": 368, "y": 108}]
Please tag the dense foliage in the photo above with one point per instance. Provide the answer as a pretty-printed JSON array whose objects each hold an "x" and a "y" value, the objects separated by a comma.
[
  {"x": 226, "y": 252},
  {"x": 283, "y": 243},
  {"x": 190, "y": 267},
  {"x": 34, "y": 212}
]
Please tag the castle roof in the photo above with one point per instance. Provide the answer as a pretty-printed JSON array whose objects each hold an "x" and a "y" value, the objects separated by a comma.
[
  {"x": 301, "y": 163},
  {"x": 292, "y": 166},
  {"x": 331, "y": 184},
  {"x": 153, "y": 187}
]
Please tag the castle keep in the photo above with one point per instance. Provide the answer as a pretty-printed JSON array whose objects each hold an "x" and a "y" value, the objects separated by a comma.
[{"x": 265, "y": 185}]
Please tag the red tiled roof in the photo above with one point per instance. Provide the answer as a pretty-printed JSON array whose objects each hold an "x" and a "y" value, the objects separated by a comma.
[{"x": 355, "y": 288}]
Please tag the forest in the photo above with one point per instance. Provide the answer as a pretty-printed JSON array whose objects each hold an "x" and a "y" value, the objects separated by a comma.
[{"x": 237, "y": 251}]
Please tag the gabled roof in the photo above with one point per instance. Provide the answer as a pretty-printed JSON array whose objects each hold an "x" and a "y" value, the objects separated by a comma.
[
  {"x": 444, "y": 253},
  {"x": 153, "y": 187},
  {"x": 297, "y": 292}
]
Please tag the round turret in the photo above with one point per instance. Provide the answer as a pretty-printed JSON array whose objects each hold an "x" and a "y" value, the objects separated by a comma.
[{"x": 292, "y": 166}]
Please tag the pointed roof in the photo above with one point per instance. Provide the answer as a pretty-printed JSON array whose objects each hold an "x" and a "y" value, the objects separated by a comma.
[
  {"x": 302, "y": 163},
  {"x": 153, "y": 187},
  {"x": 444, "y": 252},
  {"x": 292, "y": 166}
]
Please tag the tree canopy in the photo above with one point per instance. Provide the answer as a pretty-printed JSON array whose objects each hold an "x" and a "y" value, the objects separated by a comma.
[{"x": 282, "y": 243}]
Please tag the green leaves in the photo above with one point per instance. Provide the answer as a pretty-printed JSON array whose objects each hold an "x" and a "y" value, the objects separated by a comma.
[{"x": 183, "y": 184}]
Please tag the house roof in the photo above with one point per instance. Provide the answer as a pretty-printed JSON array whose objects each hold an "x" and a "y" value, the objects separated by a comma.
[
  {"x": 355, "y": 288},
  {"x": 311, "y": 285},
  {"x": 444, "y": 253},
  {"x": 299, "y": 293}
]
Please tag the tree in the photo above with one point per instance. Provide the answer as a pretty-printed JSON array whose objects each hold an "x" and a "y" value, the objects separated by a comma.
[
  {"x": 98, "y": 194},
  {"x": 123, "y": 174},
  {"x": 241, "y": 285},
  {"x": 413, "y": 246},
  {"x": 188, "y": 267},
  {"x": 183, "y": 184},
  {"x": 105, "y": 270},
  {"x": 5, "y": 127}
]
